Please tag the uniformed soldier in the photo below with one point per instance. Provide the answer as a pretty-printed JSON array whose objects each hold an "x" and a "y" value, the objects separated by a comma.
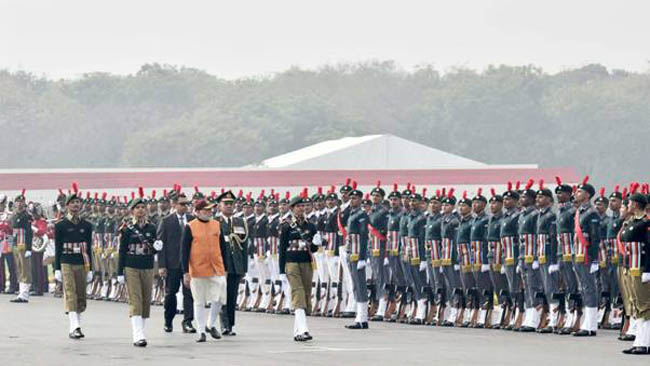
[
  {"x": 6, "y": 255},
  {"x": 586, "y": 247},
  {"x": 298, "y": 241},
  {"x": 407, "y": 301},
  {"x": 259, "y": 233},
  {"x": 138, "y": 246},
  {"x": 529, "y": 263},
  {"x": 450, "y": 262},
  {"x": 332, "y": 244},
  {"x": 321, "y": 274},
  {"x": 510, "y": 255},
  {"x": 601, "y": 204},
  {"x": 635, "y": 242},
  {"x": 235, "y": 257},
  {"x": 273, "y": 228},
  {"x": 416, "y": 255},
  {"x": 357, "y": 253},
  {"x": 463, "y": 246},
  {"x": 21, "y": 223},
  {"x": 500, "y": 314},
  {"x": 484, "y": 293},
  {"x": 350, "y": 307},
  {"x": 432, "y": 240},
  {"x": 73, "y": 264},
  {"x": 546, "y": 234},
  {"x": 377, "y": 229},
  {"x": 98, "y": 222},
  {"x": 615, "y": 318},
  {"x": 397, "y": 294}
]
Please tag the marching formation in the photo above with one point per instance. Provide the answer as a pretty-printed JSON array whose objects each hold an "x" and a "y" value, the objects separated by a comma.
[{"x": 566, "y": 261}]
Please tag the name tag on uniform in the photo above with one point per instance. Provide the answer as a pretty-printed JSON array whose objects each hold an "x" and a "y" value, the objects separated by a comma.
[{"x": 239, "y": 230}]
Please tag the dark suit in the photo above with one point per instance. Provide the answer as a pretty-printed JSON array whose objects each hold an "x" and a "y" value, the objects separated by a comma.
[
  {"x": 235, "y": 260},
  {"x": 170, "y": 232}
]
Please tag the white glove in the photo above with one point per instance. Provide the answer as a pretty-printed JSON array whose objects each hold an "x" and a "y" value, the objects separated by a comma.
[
  {"x": 503, "y": 269},
  {"x": 441, "y": 271},
  {"x": 485, "y": 267},
  {"x": 283, "y": 278},
  {"x": 535, "y": 265},
  {"x": 158, "y": 245},
  {"x": 553, "y": 268},
  {"x": 518, "y": 270},
  {"x": 361, "y": 265},
  {"x": 456, "y": 267},
  {"x": 28, "y": 253},
  {"x": 423, "y": 266},
  {"x": 89, "y": 276},
  {"x": 120, "y": 279},
  {"x": 317, "y": 240},
  {"x": 58, "y": 276},
  {"x": 645, "y": 277},
  {"x": 386, "y": 261},
  {"x": 301, "y": 244},
  {"x": 594, "y": 268}
]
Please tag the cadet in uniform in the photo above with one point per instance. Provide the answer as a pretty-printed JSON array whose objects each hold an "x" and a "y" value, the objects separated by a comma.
[
  {"x": 21, "y": 223},
  {"x": 378, "y": 221},
  {"x": 500, "y": 314},
  {"x": 546, "y": 234},
  {"x": 510, "y": 256},
  {"x": 417, "y": 259},
  {"x": 480, "y": 264},
  {"x": 450, "y": 266},
  {"x": 432, "y": 240},
  {"x": 357, "y": 253},
  {"x": 296, "y": 248},
  {"x": 73, "y": 261},
  {"x": 469, "y": 300},
  {"x": 138, "y": 245}
]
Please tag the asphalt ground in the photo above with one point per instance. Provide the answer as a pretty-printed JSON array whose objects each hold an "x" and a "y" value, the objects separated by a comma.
[{"x": 37, "y": 334}]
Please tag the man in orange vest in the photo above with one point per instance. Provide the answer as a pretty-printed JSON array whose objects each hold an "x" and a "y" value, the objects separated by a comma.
[{"x": 203, "y": 267}]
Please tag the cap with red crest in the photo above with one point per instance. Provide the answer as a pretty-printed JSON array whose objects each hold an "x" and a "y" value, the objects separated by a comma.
[
  {"x": 601, "y": 196},
  {"x": 395, "y": 193},
  {"x": 479, "y": 196},
  {"x": 543, "y": 191},
  {"x": 584, "y": 186},
  {"x": 346, "y": 188},
  {"x": 561, "y": 187},
  {"x": 355, "y": 192},
  {"x": 378, "y": 190}
]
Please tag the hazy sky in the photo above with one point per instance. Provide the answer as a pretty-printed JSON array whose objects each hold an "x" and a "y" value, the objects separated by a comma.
[{"x": 65, "y": 38}]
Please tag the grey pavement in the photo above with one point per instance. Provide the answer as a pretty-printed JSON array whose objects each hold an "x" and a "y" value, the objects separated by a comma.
[{"x": 36, "y": 334}]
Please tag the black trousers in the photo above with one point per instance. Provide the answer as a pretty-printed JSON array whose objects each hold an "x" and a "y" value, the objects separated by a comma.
[
  {"x": 173, "y": 283},
  {"x": 7, "y": 261},
  {"x": 228, "y": 311}
]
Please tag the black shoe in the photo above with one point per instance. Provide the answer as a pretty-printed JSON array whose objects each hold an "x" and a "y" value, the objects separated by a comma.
[
  {"x": 584, "y": 333},
  {"x": 308, "y": 336},
  {"x": 347, "y": 314},
  {"x": 527, "y": 329},
  {"x": 213, "y": 332},
  {"x": 19, "y": 300},
  {"x": 627, "y": 337},
  {"x": 228, "y": 332},
  {"x": 637, "y": 351},
  {"x": 377, "y": 318},
  {"x": 447, "y": 323},
  {"x": 564, "y": 331},
  {"x": 546, "y": 330},
  {"x": 168, "y": 328},
  {"x": 416, "y": 321},
  {"x": 76, "y": 334},
  {"x": 201, "y": 338},
  {"x": 187, "y": 327},
  {"x": 300, "y": 338},
  {"x": 363, "y": 325},
  {"x": 140, "y": 343}
]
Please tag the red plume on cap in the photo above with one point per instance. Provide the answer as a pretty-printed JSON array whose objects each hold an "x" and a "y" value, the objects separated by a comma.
[
  {"x": 153, "y": 193},
  {"x": 493, "y": 192},
  {"x": 132, "y": 195},
  {"x": 263, "y": 192},
  {"x": 367, "y": 196},
  {"x": 602, "y": 191},
  {"x": 624, "y": 194},
  {"x": 530, "y": 183},
  {"x": 240, "y": 193},
  {"x": 517, "y": 185},
  {"x": 277, "y": 196},
  {"x": 413, "y": 188},
  {"x": 213, "y": 194},
  {"x": 22, "y": 192},
  {"x": 443, "y": 192},
  {"x": 287, "y": 195},
  {"x": 480, "y": 190},
  {"x": 96, "y": 195},
  {"x": 75, "y": 188},
  {"x": 558, "y": 181},
  {"x": 272, "y": 192},
  {"x": 509, "y": 186},
  {"x": 164, "y": 193},
  {"x": 574, "y": 188},
  {"x": 464, "y": 195},
  {"x": 616, "y": 188},
  {"x": 378, "y": 183},
  {"x": 347, "y": 181},
  {"x": 303, "y": 194},
  {"x": 424, "y": 192},
  {"x": 88, "y": 195},
  {"x": 332, "y": 189},
  {"x": 408, "y": 185},
  {"x": 354, "y": 184},
  {"x": 451, "y": 193},
  {"x": 541, "y": 184},
  {"x": 140, "y": 191},
  {"x": 320, "y": 190},
  {"x": 437, "y": 193},
  {"x": 196, "y": 188},
  {"x": 104, "y": 196},
  {"x": 394, "y": 187},
  {"x": 585, "y": 180},
  {"x": 645, "y": 188},
  {"x": 178, "y": 188},
  {"x": 634, "y": 188},
  {"x": 126, "y": 199},
  {"x": 223, "y": 190}
]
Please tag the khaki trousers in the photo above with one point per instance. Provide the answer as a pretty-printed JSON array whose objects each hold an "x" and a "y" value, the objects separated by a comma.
[
  {"x": 299, "y": 276},
  {"x": 74, "y": 287},
  {"x": 139, "y": 284},
  {"x": 624, "y": 285},
  {"x": 640, "y": 296},
  {"x": 23, "y": 265}
]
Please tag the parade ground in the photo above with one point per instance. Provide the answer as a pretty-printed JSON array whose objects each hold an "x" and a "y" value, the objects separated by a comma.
[{"x": 37, "y": 334}]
